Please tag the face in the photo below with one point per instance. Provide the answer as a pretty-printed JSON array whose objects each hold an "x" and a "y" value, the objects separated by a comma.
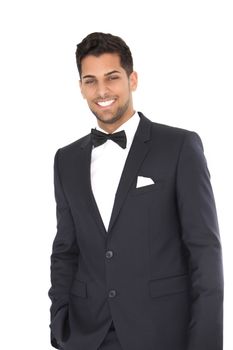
[{"x": 108, "y": 90}]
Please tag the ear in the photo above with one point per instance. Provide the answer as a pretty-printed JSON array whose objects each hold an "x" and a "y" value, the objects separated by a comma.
[{"x": 133, "y": 81}]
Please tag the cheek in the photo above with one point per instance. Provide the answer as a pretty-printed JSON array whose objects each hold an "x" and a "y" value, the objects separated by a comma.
[
  {"x": 122, "y": 90},
  {"x": 88, "y": 95}
]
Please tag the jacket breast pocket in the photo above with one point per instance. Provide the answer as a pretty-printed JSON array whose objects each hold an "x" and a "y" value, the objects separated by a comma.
[
  {"x": 152, "y": 188},
  {"x": 144, "y": 189},
  {"x": 79, "y": 289},
  {"x": 168, "y": 286}
]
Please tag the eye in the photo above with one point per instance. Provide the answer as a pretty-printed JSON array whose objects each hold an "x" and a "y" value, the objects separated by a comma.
[
  {"x": 89, "y": 81},
  {"x": 113, "y": 77}
]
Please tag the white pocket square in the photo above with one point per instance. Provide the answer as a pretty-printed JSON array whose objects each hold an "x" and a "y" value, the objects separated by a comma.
[{"x": 144, "y": 181}]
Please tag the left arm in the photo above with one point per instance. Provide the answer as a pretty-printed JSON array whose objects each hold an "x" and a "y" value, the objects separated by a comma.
[{"x": 200, "y": 234}]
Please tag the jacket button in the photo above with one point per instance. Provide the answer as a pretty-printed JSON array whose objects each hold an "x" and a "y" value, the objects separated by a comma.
[
  {"x": 112, "y": 293},
  {"x": 109, "y": 254}
]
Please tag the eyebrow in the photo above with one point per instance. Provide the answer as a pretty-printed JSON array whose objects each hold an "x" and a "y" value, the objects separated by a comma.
[
  {"x": 106, "y": 75},
  {"x": 112, "y": 72}
]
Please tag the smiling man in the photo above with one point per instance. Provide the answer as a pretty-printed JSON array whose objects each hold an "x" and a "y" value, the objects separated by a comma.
[
  {"x": 136, "y": 261},
  {"x": 107, "y": 87}
]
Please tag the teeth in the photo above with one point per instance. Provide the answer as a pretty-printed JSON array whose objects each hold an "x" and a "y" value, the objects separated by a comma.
[{"x": 105, "y": 103}]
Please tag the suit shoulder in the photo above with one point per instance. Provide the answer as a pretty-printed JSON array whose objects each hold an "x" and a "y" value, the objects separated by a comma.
[
  {"x": 171, "y": 131},
  {"x": 74, "y": 146},
  {"x": 166, "y": 132},
  {"x": 174, "y": 135}
]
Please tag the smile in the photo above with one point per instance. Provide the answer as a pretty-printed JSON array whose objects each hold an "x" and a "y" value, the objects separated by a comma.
[{"x": 105, "y": 103}]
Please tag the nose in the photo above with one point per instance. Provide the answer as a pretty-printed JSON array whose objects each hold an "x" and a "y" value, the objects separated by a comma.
[{"x": 102, "y": 89}]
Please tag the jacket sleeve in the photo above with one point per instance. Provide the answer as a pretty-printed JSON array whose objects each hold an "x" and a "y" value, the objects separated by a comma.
[
  {"x": 200, "y": 235},
  {"x": 64, "y": 258}
]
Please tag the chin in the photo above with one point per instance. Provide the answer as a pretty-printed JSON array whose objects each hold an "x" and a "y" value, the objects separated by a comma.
[{"x": 111, "y": 119}]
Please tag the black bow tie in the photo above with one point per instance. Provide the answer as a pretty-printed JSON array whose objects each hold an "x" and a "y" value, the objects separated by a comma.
[{"x": 99, "y": 137}]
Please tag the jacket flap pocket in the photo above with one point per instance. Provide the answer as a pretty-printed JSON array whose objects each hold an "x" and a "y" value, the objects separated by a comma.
[
  {"x": 79, "y": 288},
  {"x": 167, "y": 286}
]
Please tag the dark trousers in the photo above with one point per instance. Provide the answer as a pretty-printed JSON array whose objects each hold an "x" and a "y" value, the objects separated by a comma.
[{"x": 111, "y": 341}]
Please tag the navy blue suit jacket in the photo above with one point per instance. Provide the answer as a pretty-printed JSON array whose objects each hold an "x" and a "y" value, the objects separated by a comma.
[{"x": 157, "y": 272}]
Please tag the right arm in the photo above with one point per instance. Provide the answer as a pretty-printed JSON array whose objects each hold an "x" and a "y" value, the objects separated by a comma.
[{"x": 64, "y": 258}]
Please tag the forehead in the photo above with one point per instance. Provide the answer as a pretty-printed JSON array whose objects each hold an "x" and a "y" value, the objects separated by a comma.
[{"x": 100, "y": 65}]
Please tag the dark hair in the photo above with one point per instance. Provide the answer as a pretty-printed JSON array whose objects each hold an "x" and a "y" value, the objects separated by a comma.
[{"x": 99, "y": 43}]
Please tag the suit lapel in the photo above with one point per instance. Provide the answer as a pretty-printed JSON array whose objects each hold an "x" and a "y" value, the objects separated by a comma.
[
  {"x": 85, "y": 182},
  {"x": 137, "y": 153}
]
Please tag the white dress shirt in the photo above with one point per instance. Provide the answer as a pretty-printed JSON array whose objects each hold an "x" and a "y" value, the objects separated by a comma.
[{"x": 107, "y": 163}]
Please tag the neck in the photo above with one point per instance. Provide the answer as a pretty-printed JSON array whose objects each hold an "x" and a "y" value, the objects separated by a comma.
[{"x": 110, "y": 128}]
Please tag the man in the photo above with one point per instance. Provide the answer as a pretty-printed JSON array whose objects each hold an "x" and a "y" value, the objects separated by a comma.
[{"x": 136, "y": 262}]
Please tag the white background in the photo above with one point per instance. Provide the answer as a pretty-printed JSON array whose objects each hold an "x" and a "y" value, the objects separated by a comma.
[{"x": 183, "y": 55}]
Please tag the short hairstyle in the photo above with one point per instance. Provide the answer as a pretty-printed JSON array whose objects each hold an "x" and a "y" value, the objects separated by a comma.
[{"x": 99, "y": 43}]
